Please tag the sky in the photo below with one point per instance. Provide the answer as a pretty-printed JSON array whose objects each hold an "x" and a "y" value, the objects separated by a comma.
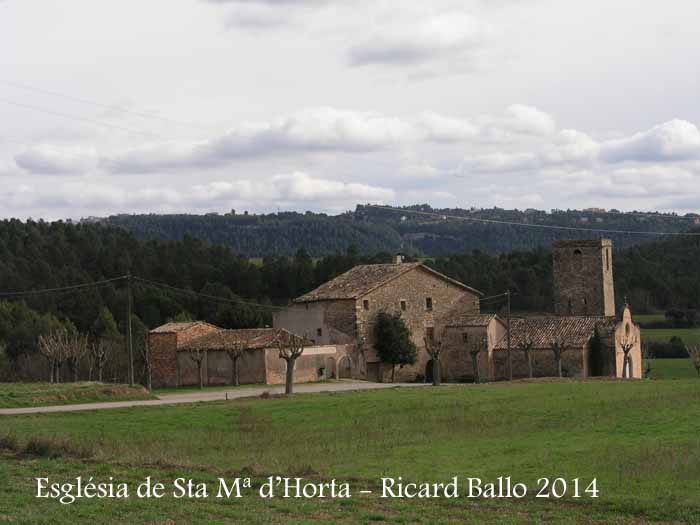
[{"x": 198, "y": 106}]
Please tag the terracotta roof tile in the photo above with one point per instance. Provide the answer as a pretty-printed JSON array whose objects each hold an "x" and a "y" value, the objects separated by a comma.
[
  {"x": 172, "y": 328},
  {"x": 542, "y": 331},
  {"x": 364, "y": 278},
  {"x": 254, "y": 339}
]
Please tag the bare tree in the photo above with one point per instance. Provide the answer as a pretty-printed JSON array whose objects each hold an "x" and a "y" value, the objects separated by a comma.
[
  {"x": 559, "y": 346},
  {"x": 627, "y": 343},
  {"x": 99, "y": 354},
  {"x": 476, "y": 345},
  {"x": 434, "y": 348},
  {"x": 235, "y": 350},
  {"x": 55, "y": 348},
  {"x": 694, "y": 353},
  {"x": 290, "y": 348},
  {"x": 76, "y": 348},
  {"x": 647, "y": 355},
  {"x": 526, "y": 347},
  {"x": 198, "y": 356}
]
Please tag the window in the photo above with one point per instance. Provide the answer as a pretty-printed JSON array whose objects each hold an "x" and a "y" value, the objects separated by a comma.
[
  {"x": 430, "y": 333},
  {"x": 403, "y": 306},
  {"x": 365, "y": 304},
  {"x": 319, "y": 332},
  {"x": 465, "y": 337},
  {"x": 428, "y": 303},
  {"x": 607, "y": 259}
]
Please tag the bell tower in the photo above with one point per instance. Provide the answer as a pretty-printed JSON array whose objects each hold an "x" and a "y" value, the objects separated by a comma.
[{"x": 583, "y": 278}]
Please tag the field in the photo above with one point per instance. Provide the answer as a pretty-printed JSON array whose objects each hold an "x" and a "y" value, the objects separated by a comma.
[
  {"x": 689, "y": 335},
  {"x": 638, "y": 438},
  {"x": 672, "y": 369},
  {"x": 13, "y": 395}
]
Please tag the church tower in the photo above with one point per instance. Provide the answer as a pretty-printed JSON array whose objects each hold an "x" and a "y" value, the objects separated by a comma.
[{"x": 583, "y": 278}]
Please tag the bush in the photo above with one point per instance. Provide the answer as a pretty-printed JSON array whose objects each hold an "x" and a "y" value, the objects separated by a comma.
[
  {"x": 52, "y": 447},
  {"x": 674, "y": 349},
  {"x": 8, "y": 442}
]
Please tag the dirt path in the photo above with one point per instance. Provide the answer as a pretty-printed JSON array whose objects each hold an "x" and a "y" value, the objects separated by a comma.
[{"x": 219, "y": 395}]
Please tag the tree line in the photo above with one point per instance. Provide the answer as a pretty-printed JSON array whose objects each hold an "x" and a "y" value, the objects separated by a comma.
[{"x": 37, "y": 255}]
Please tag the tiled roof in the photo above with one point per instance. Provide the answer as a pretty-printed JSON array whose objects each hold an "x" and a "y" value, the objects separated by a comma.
[
  {"x": 463, "y": 313},
  {"x": 467, "y": 320},
  {"x": 364, "y": 278},
  {"x": 173, "y": 328},
  {"x": 543, "y": 331},
  {"x": 254, "y": 339}
]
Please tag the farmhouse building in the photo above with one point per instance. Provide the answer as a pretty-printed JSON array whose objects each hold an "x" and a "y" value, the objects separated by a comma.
[
  {"x": 173, "y": 345},
  {"x": 344, "y": 310}
]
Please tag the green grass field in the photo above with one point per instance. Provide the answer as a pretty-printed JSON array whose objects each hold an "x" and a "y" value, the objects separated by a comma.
[
  {"x": 672, "y": 369},
  {"x": 13, "y": 395},
  {"x": 689, "y": 335},
  {"x": 639, "y": 439}
]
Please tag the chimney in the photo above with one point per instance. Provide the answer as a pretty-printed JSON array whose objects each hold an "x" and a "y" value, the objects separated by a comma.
[{"x": 398, "y": 258}]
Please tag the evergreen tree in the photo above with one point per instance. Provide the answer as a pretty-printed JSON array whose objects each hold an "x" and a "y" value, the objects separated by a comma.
[{"x": 392, "y": 341}]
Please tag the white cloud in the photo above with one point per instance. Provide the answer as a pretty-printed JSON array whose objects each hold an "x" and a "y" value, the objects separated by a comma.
[
  {"x": 671, "y": 141},
  {"x": 46, "y": 159},
  {"x": 419, "y": 39},
  {"x": 309, "y": 131},
  {"x": 440, "y": 128}
]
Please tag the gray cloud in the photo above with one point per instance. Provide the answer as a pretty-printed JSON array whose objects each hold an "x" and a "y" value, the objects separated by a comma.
[{"x": 670, "y": 141}]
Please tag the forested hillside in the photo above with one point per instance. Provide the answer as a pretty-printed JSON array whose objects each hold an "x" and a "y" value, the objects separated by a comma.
[
  {"x": 372, "y": 229},
  {"x": 39, "y": 255}
]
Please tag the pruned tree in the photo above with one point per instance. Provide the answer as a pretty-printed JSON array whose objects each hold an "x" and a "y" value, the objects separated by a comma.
[
  {"x": 526, "y": 346},
  {"x": 648, "y": 356},
  {"x": 434, "y": 348},
  {"x": 55, "y": 347},
  {"x": 290, "y": 348},
  {"x": 559, "y": 346},
  {"x": 234, "y": 350},
  {"x": 694, "y": 353},
  {"x": 475, "y": 345},
  {"x": 76, "y": 348},
  {"x": 197, "y": 355},
  {"x": 627, "y": 341},
  {"x": 99, "y": 355}
]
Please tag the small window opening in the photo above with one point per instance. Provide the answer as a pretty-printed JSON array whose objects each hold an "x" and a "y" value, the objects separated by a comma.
[
  {"x": 430, "y": 333},
  {"x": 428, "y": 303},
  {"x": 403, "y": 306},
  {"x": 365, "y": 304},
  {"x": 319, "y": 332}
]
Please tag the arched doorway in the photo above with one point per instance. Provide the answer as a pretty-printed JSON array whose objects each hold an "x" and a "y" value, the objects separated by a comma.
[{"x": 345, "y": 368}]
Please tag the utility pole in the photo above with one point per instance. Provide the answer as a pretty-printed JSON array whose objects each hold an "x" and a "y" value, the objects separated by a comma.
[
  {"x": 510, "y": 360},
  {"x": 129, "y": 342}
]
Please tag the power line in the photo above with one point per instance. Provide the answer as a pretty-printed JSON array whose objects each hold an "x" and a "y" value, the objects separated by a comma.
[
  {"x": 63, "y": 289},
  {"x": 80, "y": 119},
  {"x": 99, "y": 104},
  {"x": 528, "y": 225},
  {"x": 207, "y": 296}
]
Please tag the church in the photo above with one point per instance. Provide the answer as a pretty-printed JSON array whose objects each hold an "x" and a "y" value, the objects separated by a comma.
[{"x": 585, "y": 337}]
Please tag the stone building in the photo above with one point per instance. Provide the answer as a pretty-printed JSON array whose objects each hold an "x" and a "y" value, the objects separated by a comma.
[
  {"x": 435, "y": 306},
  {"x": 344, "y": 310},
  {"x": 172, "y": 345}
]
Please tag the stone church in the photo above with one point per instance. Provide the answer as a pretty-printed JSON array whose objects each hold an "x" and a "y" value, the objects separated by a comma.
[{"x": 474, "y": 344}]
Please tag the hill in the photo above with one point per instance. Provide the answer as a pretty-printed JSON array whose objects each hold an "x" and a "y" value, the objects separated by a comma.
[{"x": 370, "y": 229}]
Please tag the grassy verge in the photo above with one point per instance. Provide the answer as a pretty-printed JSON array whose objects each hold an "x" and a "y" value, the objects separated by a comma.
[
  {"x": 638, "y": 438},
  {"x": 672, "y": 369},
  {"x": 223, "y": 388},
  {"x": 689, "y": 335},
  {"x": 15, "y": 395}
]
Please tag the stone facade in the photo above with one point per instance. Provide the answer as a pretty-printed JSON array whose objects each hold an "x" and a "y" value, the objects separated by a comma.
[
  {"x": 424, "y": 299},
  {"x": 583, "y": 278}
]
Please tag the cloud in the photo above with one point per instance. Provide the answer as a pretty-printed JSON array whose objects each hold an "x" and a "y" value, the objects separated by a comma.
[
  {"x": 418, "y": 40},
  {"x": 49, "y": 160},
  {"x": 671, "y": 141},
  {"x": 440, "y": 128},
  {"x": 310, "y": 131}
]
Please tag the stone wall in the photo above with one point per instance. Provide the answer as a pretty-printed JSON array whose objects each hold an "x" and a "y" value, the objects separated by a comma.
[
  {"x": 456, "y": 360},
  {"x": 324, "y": 322},
  {"x": 583, "y": 278},
  {"x": 217, "y": 368},
  {"x": 315, "y": 364},
  {"x": 163, "y": 353},
  {"x": 414, "y": 288},
  {"x": 543, "y": 363}
]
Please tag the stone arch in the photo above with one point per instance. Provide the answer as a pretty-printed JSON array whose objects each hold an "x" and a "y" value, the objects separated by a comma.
[{"x": 345, "y": 368}]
